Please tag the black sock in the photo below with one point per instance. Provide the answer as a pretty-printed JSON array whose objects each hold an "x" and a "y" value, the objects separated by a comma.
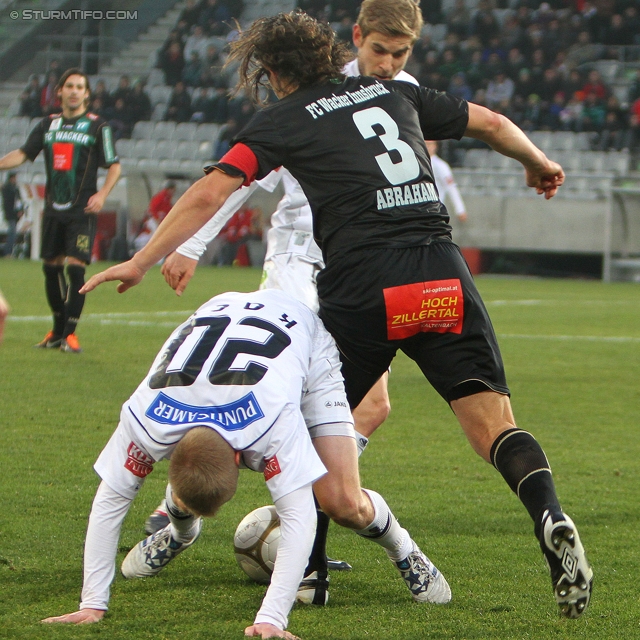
[
  {"x": 55, "y": 287},
  {"x": 318, "y": 557},
  {"x": 517, "y": 455},
  {"x": 75, "y": 299}
]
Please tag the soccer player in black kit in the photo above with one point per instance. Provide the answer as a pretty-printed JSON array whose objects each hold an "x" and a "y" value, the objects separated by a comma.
[
  {"x": 394, "y": 279},
  {"x": 75, "y": 143}
]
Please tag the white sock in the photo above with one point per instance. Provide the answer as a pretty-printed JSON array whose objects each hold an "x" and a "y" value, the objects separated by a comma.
[
  {"x": 385, "y": 529},
  {"x": 362, "y": 442},
  {"x": 184, "y": 525}
]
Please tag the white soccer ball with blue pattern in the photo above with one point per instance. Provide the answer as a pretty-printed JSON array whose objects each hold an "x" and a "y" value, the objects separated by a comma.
[{"x": 256, "y": 541}]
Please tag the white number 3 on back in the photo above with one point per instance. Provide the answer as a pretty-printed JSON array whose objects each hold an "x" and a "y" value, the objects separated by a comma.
[{"x": 395, "y": 172}]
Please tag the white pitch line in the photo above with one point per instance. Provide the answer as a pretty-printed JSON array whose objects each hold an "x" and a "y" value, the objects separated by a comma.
[
  {"x": 525, "y": 336},
  {"x": 109, "y": 318},
  {"x": 122, "y": 319}
]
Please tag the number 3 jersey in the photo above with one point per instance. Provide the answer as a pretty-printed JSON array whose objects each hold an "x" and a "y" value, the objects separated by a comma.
[
  {"x": 356, "y": 147},
  {"x": 258, "y": 368}
]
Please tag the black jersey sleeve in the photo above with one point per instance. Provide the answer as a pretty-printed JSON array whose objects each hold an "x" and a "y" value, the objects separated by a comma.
[
  {"x": 35, "y": 142},
  {"x": 262, "y": 136},
  {"x": 442, "y": 115},
  {"x": 106, "y": 147}
]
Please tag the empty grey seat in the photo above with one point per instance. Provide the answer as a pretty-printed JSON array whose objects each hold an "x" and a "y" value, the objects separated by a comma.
[
  {"x": 475, "y": 158},
  {"x": 142, "y": 149},
  {"x": 186, "y": 150},
  {"x": 207, "y": 132},
  {"x": 124, "y": 147},
  {"x": 163, "y": 149},
  {"x": 185, "y": 131},
  {"x": 163, "y": 130},
  {"x": 592, "y": 161},
  {"x": 143, "y": 130}
]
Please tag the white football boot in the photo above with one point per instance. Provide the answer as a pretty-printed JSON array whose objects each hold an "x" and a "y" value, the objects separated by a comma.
[
  {"x": 152, "y": 554},
  {"x": 425, "y": 582}
]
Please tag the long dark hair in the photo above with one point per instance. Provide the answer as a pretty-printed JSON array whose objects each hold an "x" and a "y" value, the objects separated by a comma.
[{"x": 298, "y": 48}]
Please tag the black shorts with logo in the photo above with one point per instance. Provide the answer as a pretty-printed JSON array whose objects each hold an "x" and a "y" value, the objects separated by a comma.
[
  {"x": 68, "y": 233},
  {"x": 421, "y": 300}
]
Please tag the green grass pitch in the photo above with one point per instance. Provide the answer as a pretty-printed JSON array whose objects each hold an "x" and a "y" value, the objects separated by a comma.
[{"x": 572, "y": 353}]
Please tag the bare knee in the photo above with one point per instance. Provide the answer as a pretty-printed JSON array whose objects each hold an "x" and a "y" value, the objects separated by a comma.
[
  {"x": 353, "y": 511},
  {"x": 483, "y": 417}
]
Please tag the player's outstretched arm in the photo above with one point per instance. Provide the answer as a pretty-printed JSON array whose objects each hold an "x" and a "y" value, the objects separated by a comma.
[
  {"x": 84, "y": 616},
  {"x": 544, "y": 175},
  {"x": 196, "y": 206},
  {"x": 265, "y": 630}
]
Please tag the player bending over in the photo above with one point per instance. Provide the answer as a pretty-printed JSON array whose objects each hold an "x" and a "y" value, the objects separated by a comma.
[{"x": 226, "y": 390}]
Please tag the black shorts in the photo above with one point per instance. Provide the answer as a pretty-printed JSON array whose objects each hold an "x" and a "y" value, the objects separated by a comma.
[
  {"x": 68, "y": 234},
  {"x": 421, "y": 300}
]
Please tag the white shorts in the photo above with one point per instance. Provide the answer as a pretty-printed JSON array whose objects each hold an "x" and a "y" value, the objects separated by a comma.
[{"x": 294, "y": 273}]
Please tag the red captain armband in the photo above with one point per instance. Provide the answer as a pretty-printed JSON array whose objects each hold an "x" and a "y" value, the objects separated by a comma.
[{"x": 243, "y": 160}]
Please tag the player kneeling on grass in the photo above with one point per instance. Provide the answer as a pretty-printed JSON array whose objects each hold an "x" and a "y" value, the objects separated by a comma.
[{"x": 245, "y": 381}]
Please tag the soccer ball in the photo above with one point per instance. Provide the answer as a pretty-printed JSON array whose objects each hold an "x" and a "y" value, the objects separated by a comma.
[{"x": 256, "y": 543}]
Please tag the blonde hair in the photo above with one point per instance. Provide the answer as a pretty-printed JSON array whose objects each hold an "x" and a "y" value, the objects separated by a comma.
[
  {"x": 391, "y": 18},
  {"x": 203, "y": 471}
]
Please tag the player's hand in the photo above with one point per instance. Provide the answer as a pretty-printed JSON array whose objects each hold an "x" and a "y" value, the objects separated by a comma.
[
  {"x": 129, "y": 274},
  {"x": 462, "y": 217},
  {"x": 265, "y": 630},
  {"x": 84, "y": 616},
  {"x": 178, "y": 270},
  {"x": 95, "y": 203},
  {"x": 545, "y": 178}
]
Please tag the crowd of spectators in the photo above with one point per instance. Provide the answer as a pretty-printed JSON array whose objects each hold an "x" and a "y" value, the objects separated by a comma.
[
  {"x": 122, "y": 108},
  {"x": 531, "y": 61},
  {"x": 527, "y": 59}
]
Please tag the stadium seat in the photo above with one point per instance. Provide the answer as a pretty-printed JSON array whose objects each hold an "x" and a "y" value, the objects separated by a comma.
[
  {"x": 186, "y": 150},
  {"x": 143, "y": 130},
  {"x": 160, "y": 93},
  {"x": 164, "y": 130},
  {"x": 592, "y": 161},
  {"x": 207, "y": 132},
  {"x": 159, "y": 111},
  {"x": 541, "y": 139},
  {"x": 618, "y": 162},
  {"x": 185, "y": 131},
  {"x": 163, "y": 149},
  {"x": 124, "y": 147},
  {"x": 142, "y": 149},
  {"x": 475, "y": 158},
  {"x": 205, "y": 151}
]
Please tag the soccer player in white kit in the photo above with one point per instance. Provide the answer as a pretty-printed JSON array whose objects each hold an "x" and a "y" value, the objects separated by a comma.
[
  {"x": 246, "y": 379},
  {"x": 446, "y": 183}
]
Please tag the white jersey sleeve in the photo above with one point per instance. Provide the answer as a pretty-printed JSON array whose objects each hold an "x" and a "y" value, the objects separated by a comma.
[
  {"x": 101, "y": 544},
  {"x": 446, "y": 185},
  {"x": 197, "y": 244},
  {"x": 297, "y": 516}
]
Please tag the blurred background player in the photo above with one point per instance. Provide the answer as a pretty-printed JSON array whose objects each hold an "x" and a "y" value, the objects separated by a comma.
[
  {"x": 384, "y": 35},
  {"x": 445, "y": 182},
  {"x": 11, "y": 207},
  {"x": 75, "y": 144},
  {"x": 4, "y": 312},
  {"x": 290, "y": 390}
]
